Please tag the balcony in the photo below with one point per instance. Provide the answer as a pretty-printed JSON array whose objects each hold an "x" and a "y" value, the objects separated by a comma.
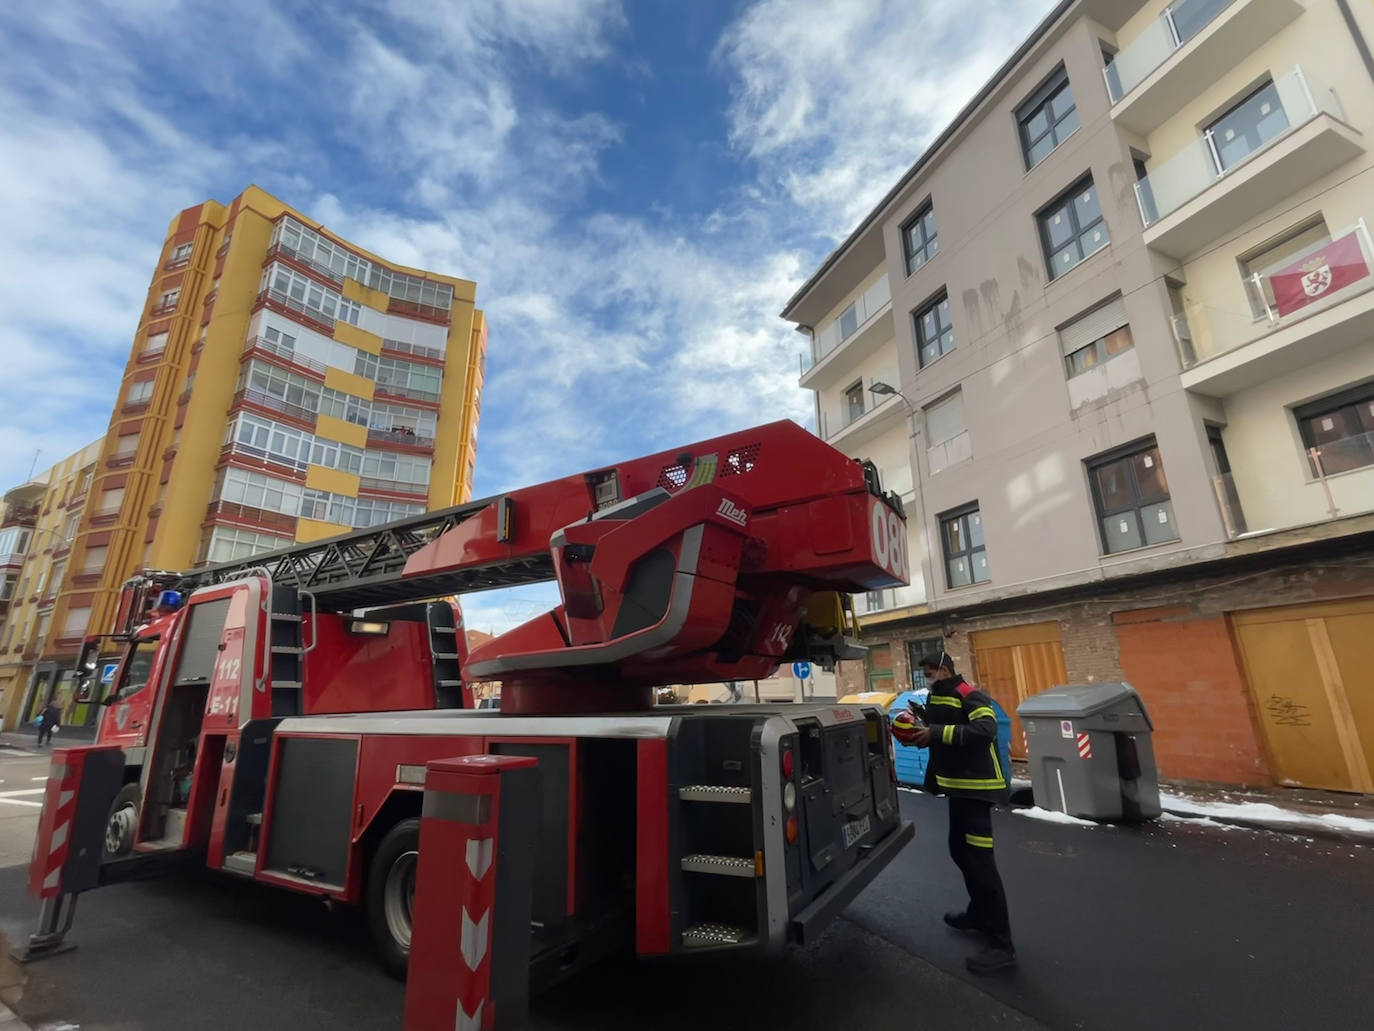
[
  {"x": 417, "y": 490},
  {"x": 395, "y": 390},
  {"x": 275, "y": 404},
  {"x": 1311, "y": 306},
  {"x": 889, "y": 600},
  {"x": 312, "y": 317},
  {"x": 1215, "y": 186},
  {"x": 280, "y": 350},
  {"x": 20, "y": 515},
  {"x": 416, "y": 310},
  {"x": 400, "y": 436},
  {"x": 280, "y": 249},
  {"x": 852, "y": 427},
  {"x": 220, "y": 511},
  {"x": 173, "y": 264},
  {"x": 400, "y": 347},
  {"x": 859, "y": 332},
  {"x": 1178, "y": 56},
  {"x": 236, "y": 447},
  {"x": 13, "y": 560},
  {"x": 1338, "y": 482},
  {"x": 163, "y": 309}
]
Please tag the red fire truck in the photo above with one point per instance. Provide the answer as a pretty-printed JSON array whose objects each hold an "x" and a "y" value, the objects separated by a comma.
[{"x": 272, "y": 719}]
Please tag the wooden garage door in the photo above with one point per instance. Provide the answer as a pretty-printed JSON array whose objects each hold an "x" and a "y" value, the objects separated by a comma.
[
  {"x": 1015, "y": 663},
  {"x": 1311, "y": 671}
]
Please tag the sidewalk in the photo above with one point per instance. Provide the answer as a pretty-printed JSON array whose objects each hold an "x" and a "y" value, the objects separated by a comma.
[
  {"x": 26, "y": 740},
  {"x": 1319, "y": 814}
]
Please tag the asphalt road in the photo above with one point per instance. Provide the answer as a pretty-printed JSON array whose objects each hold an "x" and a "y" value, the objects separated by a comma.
[{"x": 1174, "y": 925}]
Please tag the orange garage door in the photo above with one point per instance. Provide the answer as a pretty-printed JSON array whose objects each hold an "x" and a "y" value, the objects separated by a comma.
[{"x": 1015, "y": 663}]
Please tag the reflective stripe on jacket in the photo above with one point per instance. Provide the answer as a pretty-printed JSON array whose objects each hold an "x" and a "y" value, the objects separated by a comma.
[{"x": 963, "y": 747}]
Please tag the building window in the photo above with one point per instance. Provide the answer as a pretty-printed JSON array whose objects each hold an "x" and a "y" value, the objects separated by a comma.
[
  {"x": 1247, "y": 127},
  {"x": 853, "y": 402},
  {"x": 945, "y": 419},
  {"x": 169, "y": 298},
  {"x": 228, "y": 544},
  {"x": 1132, "y": 498},
  {"x": 919, "y": 239},
  {"x": 1341, "y": 429},
  {"x": 139, "y": 392},
  {"x": 1071, "y": 228},
  {"x": 1047, "y": 118},
  {"x": 1257, "y": 266},
  {"x": 155, "y": 344},
  {"x": 1095, "y": 338},
  {"x": 966, "y": 559},
  {"x": 934, "y": 330},
  {"x": 181, "y": 252}
]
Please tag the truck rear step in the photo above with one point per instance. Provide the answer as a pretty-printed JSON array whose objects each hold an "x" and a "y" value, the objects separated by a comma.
[
  {"x": 729, "y": 866},
  {"x": 707, "y": 934},
  {"x": 715, "y": 793}
]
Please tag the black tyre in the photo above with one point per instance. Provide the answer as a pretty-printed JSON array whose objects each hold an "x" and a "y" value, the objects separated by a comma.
[
  {"x": 123, "y": 823},
  {"x": 391, "y": 894}
]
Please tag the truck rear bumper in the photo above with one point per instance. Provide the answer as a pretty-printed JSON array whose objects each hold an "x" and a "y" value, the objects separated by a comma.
[{"x": 807, "y": 925}]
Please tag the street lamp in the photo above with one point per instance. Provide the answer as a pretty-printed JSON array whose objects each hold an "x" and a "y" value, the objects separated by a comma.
[{"x": 888, "y": 390}]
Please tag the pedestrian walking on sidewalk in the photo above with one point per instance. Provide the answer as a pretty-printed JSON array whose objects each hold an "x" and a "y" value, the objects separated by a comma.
[
  {"x": 961, "y": 732},
  {"x": 50, "y": 718}
]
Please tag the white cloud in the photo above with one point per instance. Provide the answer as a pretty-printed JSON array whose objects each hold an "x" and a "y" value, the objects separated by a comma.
[{"x": 835, "y": 99}]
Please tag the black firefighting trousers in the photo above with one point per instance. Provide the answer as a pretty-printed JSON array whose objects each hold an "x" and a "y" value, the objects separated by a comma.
[{"x": 970, "y": 846}]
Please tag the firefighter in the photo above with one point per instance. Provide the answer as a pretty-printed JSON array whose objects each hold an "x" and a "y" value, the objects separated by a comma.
[{"x": 961, "y": 733}]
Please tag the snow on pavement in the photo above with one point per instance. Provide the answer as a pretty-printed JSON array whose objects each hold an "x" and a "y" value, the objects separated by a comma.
[
  {"x": 1267, "y": 814},
  {"x": 1051, "y": 816}
]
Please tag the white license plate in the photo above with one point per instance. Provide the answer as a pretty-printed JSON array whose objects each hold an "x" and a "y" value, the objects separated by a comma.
[{"x": 854, "y": 830}]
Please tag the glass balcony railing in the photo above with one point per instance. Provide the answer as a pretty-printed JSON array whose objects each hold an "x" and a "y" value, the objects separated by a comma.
[
  {"x": 848, "y": 412},
  {"x": 1288, "y": 102},
  {"x": 1179, "y": 23},
  {"x": 850, "y": 321},
  {"x": 1319, "y": 276}
]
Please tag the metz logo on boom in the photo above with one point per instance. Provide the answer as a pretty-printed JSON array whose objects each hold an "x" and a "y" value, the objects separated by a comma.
[{"x": 729, "y": 510}]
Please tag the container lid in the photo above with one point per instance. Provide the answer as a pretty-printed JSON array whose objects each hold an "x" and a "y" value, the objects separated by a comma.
[{"x": 1077, "y": 700}]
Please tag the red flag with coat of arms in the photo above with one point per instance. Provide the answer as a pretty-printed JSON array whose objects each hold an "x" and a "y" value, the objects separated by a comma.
[{"x": 1310, "y": 279}]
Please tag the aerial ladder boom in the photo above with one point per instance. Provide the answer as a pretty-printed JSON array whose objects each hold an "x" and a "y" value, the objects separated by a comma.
[{"x": 713, "y": 562}]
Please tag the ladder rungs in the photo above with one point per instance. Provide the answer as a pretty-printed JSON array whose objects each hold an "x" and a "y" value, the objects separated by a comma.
[
  {"x": 286, "y": 685},
  {"x": 286, "y": 617},
  {"x": 715, "y": 793},
  {"x": 449, "y": 683},
  {"x": 727, "y": 866},
  {"x": 443, "y": 629},
  {"x": 287, "y": 649},
  {"x": 445, "y": 655}
]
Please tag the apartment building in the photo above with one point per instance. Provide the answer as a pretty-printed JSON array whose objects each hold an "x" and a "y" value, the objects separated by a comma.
[
  {"x": 283, "y": 385},
  {"x": 1113, "y": 336},
  {"x": 38, "y": 641}
]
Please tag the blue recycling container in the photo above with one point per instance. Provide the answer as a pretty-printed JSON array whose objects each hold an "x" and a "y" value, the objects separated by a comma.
[{"x": 912, "y": 761}]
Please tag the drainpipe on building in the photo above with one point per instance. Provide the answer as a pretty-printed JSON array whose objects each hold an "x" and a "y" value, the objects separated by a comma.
[{"x": 1357, "y": 36}]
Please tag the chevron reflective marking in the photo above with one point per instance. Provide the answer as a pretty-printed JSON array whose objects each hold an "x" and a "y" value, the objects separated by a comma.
[
  {"x": 469, "y": 1023},
  {"x": 59, "y": 837},
  {"x": 65, "y": 797},
  {"x": 479, "y": 856},
  {"x": 50, "y": 881},
  {"x": 473, "y": 939}
]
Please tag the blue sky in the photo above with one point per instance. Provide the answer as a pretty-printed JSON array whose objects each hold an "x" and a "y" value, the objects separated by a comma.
[{"x": 635, "y": 187}]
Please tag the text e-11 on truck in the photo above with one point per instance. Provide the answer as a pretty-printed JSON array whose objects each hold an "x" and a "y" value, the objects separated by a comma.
[{"x": 272, "y": 719}]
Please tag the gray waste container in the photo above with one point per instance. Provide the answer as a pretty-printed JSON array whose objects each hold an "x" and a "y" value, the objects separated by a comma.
[{"x": 1090, "y": 752}]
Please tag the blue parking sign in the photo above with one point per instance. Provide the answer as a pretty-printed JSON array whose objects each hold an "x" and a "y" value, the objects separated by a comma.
[{"x": 107, "y": 672}]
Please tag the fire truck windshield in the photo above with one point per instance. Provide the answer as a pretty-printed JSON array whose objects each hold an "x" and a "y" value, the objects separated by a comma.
[{"x": 134, "y": 676}]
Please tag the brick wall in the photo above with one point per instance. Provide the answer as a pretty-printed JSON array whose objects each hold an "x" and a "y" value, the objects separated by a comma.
[{"x": 1189, "y": 675}]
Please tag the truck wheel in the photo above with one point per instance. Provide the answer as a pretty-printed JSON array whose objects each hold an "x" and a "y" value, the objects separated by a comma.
[
  {"x": 391, "y": 894},
  {"x": 123, "y": 822}
]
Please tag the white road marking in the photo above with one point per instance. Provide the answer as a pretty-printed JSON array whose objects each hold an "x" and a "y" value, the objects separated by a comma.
[
  {"x": 22, "y": 801},
  {"x": 22, "y": 791},
  {"x": 31, "y": 778}
]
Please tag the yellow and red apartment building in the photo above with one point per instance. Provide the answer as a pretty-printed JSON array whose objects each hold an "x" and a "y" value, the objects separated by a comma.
[{"x": 284, "y": 385}]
